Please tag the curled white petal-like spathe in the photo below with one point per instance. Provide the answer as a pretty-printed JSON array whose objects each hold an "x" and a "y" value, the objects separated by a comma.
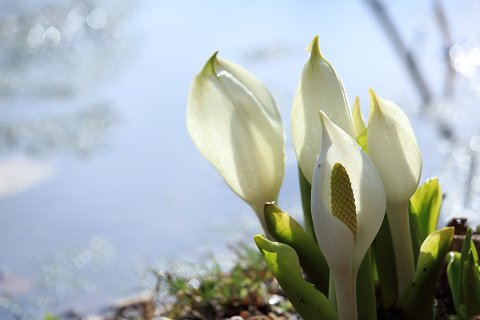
[
  {"x": 394, "y": 149},
  {"x": 235, "y": 123},
  {"x": 333, "y": 236},
  {"x": 320, "y": 88}
]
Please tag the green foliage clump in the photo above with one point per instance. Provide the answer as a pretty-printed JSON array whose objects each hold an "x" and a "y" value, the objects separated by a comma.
[{"x": 247, "y": 289}]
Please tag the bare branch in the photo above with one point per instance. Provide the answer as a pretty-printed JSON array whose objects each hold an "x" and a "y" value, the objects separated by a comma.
[{"x": 394, "y": 36}]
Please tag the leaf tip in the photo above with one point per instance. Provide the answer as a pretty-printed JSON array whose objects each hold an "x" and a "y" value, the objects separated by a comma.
[{"x": 209, "y": 67}]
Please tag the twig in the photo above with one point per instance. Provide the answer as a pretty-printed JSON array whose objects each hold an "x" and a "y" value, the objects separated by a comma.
[
  {"x": 407, "y": 57},
  {"x": 444, "y": 28},
  {"x": 472, "y": 173}
]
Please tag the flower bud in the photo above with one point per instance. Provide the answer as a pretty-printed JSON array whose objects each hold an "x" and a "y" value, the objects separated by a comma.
[
  {"x": 320, "y": 88},
  {"x": 235, "y": 123}
]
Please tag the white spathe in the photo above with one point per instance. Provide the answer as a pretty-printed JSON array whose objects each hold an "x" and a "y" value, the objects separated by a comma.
[
  {"x": 394, "y": 149},
  {"x": 235, "y": 123},
  {"x": 320, "y": 88},
  {"x": 343, "y": 253}
]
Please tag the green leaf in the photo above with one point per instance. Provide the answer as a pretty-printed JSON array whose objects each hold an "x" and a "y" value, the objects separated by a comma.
[
  {"x": 416, "y": 235},
  {"x": 469, "y": 276},
  {"x": 385, "y": 265},
  {"x": 282, "y": 260},
  {"x": 288, "y": 231},
  {"x": 466, "y": 247},
  {"x": 425, "y": 206},
  {"x": 306, "y": 193},
  {"x": 424, "y": 210},
  {"x": 366, "y": 301},
  {"x": 454, "y": 279},
  {"x": 471, "y": 286},
  {"x": 463, "y": 274},
  {"x": 417, "y": 300}
]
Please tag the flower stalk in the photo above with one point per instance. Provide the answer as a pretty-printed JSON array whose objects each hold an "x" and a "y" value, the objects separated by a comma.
[
  {"x": 393, "y": 148},
  {"x": 398, "y": 220},
  {"x": 345, "y": 290}
]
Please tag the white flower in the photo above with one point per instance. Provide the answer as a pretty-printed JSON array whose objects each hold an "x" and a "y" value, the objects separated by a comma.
[
  {"x": 320, "y": 88},
  {"x": 348, "y": 207},
  {"x": 394, "y": 150},
  {"x": 235, "y": 123}
]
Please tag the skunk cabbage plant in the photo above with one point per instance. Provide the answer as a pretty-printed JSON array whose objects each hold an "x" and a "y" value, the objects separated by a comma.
[
  {"x": 235, "y": 123},
  {"x": 366, "y": 222}
]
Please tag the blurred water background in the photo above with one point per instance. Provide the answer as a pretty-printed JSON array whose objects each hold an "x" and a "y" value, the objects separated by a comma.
[{"x": 99, "y": 181}]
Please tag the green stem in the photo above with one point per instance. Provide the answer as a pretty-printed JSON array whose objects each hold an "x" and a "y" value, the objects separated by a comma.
[
  {"x": 398, "y": 220},
  {"x": 306, "y": 193},
  {"x": 367, "y": 304},
  {"x": 259, "y": 210},
  {"x": 385, "y": 263}
]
